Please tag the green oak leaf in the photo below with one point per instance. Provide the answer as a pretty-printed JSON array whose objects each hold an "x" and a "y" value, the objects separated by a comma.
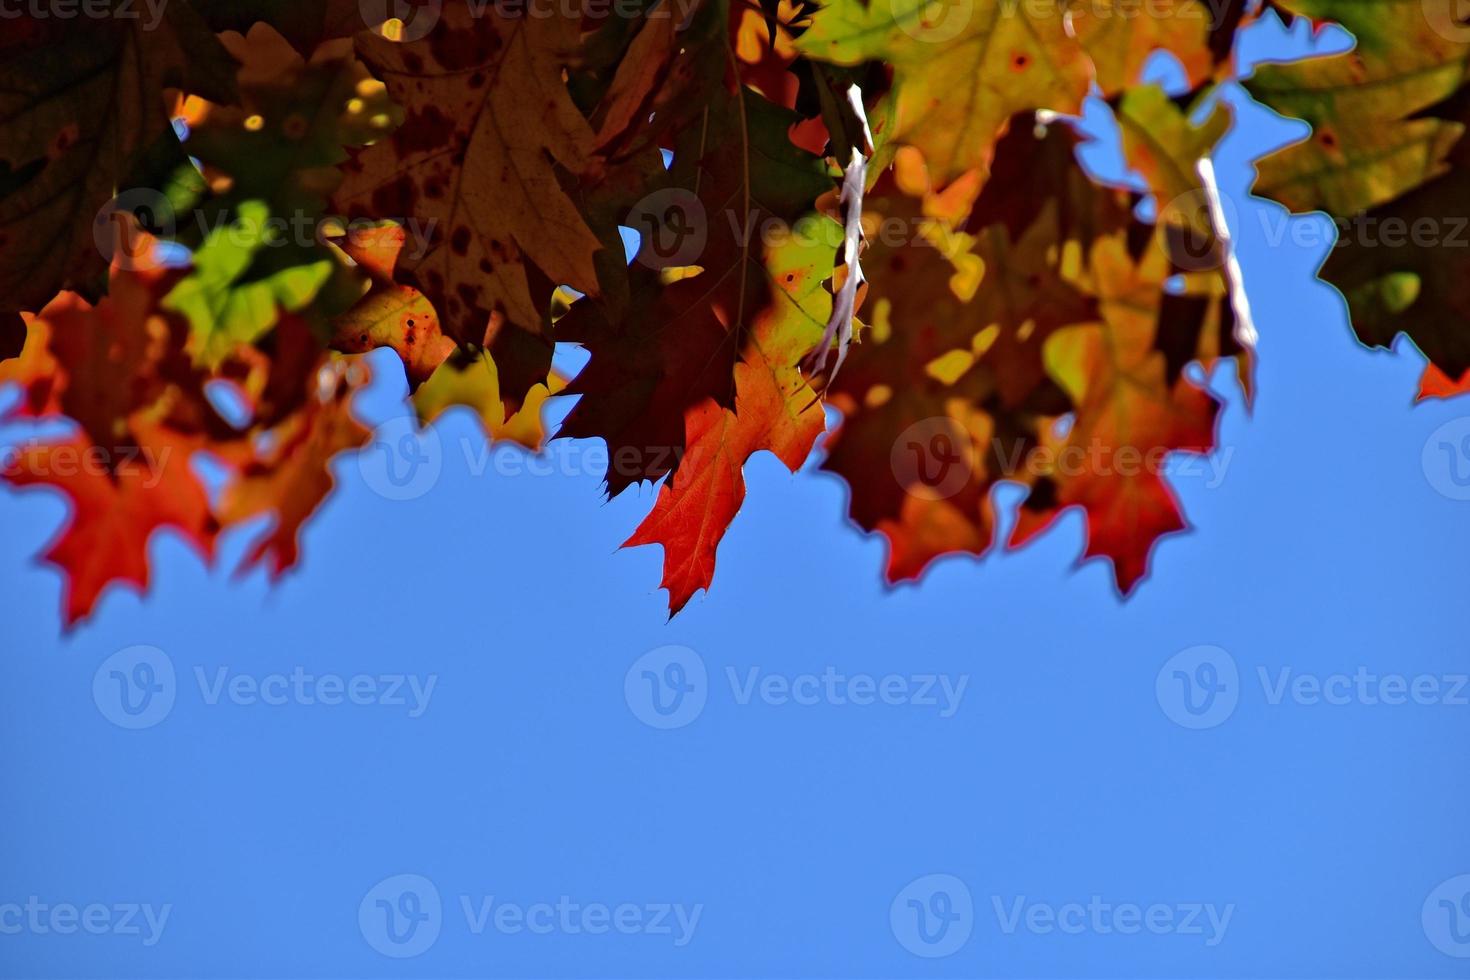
[{"x": 224, "y": 311}]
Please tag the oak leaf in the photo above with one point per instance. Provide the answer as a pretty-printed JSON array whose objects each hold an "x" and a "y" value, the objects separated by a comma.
[
  {"x": 1388, "y": 158},
  {"x": 677, "y": 342},
  {"x": 81, "y": 104},
  {"x": 962, "y": 68},
  {"x": 489, "y": 132},
  {"x": 118, "y": 501},
  {"x": 774, "y": 410},
  {"x": 292, "y": 478},
  {"x": 389, "y": 314}
]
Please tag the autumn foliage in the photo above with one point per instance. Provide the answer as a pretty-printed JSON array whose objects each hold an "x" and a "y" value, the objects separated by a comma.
[{"x": 870, "y": 205}]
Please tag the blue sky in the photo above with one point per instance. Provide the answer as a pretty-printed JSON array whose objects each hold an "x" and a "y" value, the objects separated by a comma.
[{"x": 461, "y": 740}]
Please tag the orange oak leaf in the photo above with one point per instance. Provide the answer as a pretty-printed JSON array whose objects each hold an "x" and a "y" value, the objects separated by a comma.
[
  {"x": 1015, "y": 321},
  {"x": 389, "y": 315},
  {"x": 118, "y": 498},
  {"x": 1437, "y": 384},
  {"x": 775, "y": 409},
  {"x": 105, "y": 365},
  {"x": 949, "y": 370},
  {"x": 33, "y": 371},
  {"x": 292, "y": 478},
  {"x": 118, "y": 357},
  {"x": 1049, "y": 310},
  {"x": 1129, "y": 414}
]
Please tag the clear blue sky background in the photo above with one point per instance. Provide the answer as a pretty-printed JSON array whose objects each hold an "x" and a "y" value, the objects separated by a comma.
[{"x": 532, "y": 775}]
